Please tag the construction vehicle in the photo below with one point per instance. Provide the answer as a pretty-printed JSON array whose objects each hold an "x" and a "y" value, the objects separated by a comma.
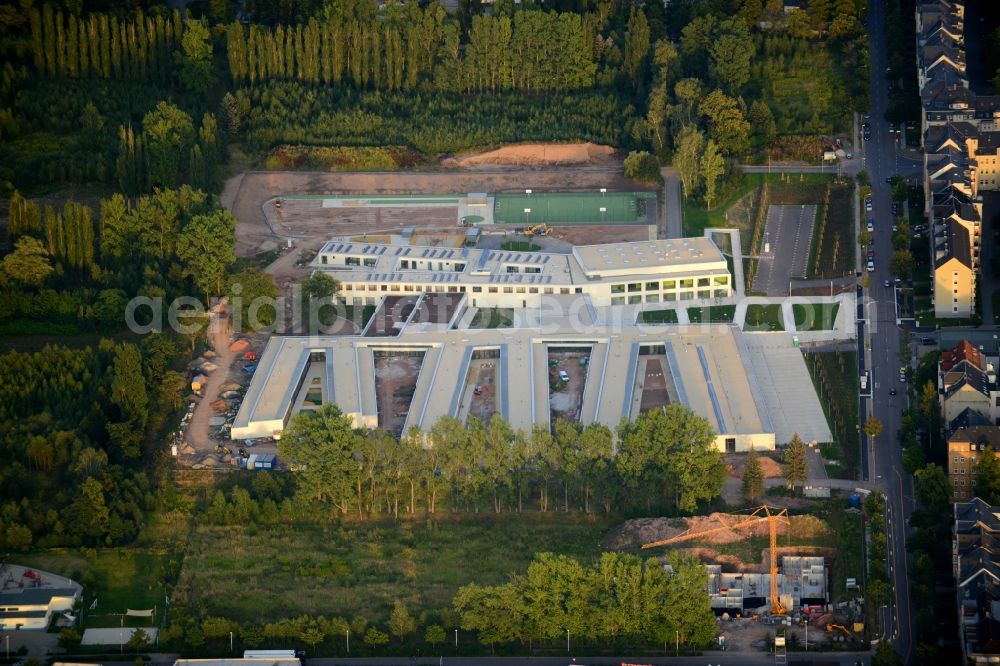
[
  {"x": 764, "y": 514},
  {"x": 540, "y": 229},
  {"x": 840, "y": 627}
]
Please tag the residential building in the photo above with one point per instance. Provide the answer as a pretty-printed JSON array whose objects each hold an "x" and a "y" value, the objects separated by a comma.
[
  {"x": 965, "y": 447},
  {"x": 967, "y": 384},
  {"x": 33, "y": 607},
  {"x": 976, "y": 557}
]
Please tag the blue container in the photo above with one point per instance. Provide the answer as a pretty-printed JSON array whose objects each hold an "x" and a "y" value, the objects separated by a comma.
[{"x": 855, "y": 501}]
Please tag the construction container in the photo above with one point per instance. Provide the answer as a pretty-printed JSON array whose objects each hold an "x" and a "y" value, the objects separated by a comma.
[{"x": 261, "y": 461}]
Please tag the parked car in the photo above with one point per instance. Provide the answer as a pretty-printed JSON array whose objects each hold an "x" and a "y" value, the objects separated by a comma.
[
  {"x": 895, "y": 228},
  {"x": 868, "y": 204},
  {"x": 563, "y": 375},
  {"x": 871, "y": 265},
  {"x": 870, "y": 225},
  {"x": 895, "y": 208},
  {"x": 871, "y": 254},
  {"x": 886, "y": 284}
]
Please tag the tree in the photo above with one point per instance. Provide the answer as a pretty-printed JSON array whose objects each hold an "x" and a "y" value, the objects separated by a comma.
[
  {"x": 986, "y": 483},
  {"x": 317, "y": 291},
  {"x": 886, "y": 655},
  {"x": 865, "y": 238},
  {"x": 796, "y": 468},
  {"x": 753, "y": 477},
  {"x": 726, "y": 124},
  {"x": 253, "y": 296},
  {"x": 28, "y": 264},
  {"x": 322, "y": 444},
  {"x": 435, "y": 634},
  {"x": 168, "y": 135},
  {"x": 932, "y": 488},
  {"x": 206, "y": 249},
  {"x": 128, "y": 394},
  {"x": 636, "y": 45},
  {"x": 401, "y": 623},
  {"x": 374, "y": 637},
  {"x": 687, "y": 158},
  {"x": 730, "y": 54},
  {"x": 195, "y": 58},
  {"x": 901, "y": 264},
  {"x": 713, "y": 166},
  {"x": 640, "y": 165},
  {"x": 139, "y": 640},
  {"x": 762, "y": 121},
  {"x": 312, "y": 636},
  {"x": 872, "y": 427}
]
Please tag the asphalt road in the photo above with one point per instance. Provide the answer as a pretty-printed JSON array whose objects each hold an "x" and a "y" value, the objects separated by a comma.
[
  {"x": 882, "y": 159},
  {"x": 785, "y": 254}
]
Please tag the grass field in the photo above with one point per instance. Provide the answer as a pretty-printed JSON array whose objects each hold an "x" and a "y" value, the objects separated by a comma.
[
  {"x": 833, "y": 254},
  {"x": 815, "y": 316},
  {"x": 765, "y": 317},
  {"x": 572, "y": 208},
  {"x": 118, "y": 578},
  {"x": 658, "y": 317},
  {"x": 835, "y": 377},
  {"x": 360, "y": 569},
  {"x": 718, "y": 314},
  {"x": 493, "y": 318}
]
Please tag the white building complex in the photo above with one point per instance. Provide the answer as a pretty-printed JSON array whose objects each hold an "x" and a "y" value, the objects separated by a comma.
[
  {"x": 661, "y": 271},
  {"x": 571, "y": 352}
]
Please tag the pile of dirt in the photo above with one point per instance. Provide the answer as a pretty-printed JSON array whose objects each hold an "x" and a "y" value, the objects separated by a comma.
[
  {"x": 633, "y": 533},
  {"x": 538, "y": 155},
  {"x": 736, "y": 463}
]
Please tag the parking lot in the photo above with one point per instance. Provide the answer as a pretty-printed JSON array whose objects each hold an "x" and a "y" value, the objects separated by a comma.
[{"x": 785, "y": 253}]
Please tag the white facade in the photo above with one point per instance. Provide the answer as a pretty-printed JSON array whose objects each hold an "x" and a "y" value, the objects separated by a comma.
[{"x": 663, "y": 271}]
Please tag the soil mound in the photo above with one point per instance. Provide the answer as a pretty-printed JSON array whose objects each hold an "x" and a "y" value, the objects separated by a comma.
[
  {"x": 634, "y": 533},
  {"x": 534, "y": 154}
]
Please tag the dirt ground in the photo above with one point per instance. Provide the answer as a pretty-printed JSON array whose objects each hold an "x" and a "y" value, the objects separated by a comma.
[
  {"x": 395, "y": 383},
  {"x": 638, "y": 531},
  {"x": 538, "y": 155},
  {"x": 735, "y": 463},
  {"x": 566, "y": 404},
  {"x": 483, "y": 377},
  {"x": 245, "y": 194},
  {"x": 654, "y": 385}
]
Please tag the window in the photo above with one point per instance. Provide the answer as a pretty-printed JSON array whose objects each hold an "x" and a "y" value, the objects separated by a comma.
[
  {"x": 652, "y": 286},
  {"x": 669, "y": 298},
  {"x": 704, "y": 293},
  {"x": 617, "y": 289},
  {"x": 670, "y": 284},
  {"x": 962, "y": 459},
  {"x": 385, "y": 287},
  {"x": 477, "y": 290},
  {"x": 370, "y": 262},
  {"x": 686, "y": 295},
  {"x": 653, "y": 298},
  {"x": 703, "y": 282},
  {"x": 513, "y": 269},
  {"x": 533, "y": 290},
  {"x": 634, "y": 299},
  {"x": 520, "y": 290},
  {"x": 458, "y": 268},
  {"x": 687, "y": 284},
  {"x": 635, "y": 286},
  {"x": 617, "y": 300},
  {"x": 453, "y": 290},
  {"x": 721, "y": 279},
  {"x": 578, "y": 290},
  {"x": 548, "y": 290},
  {"x": 348, "y": 287},
  {"x": 352, "y": 261},
  {"x": 508, "y": 290},
  {"x": 532, "y": 269},
  {"x": 493, "y": 290},
  {"x": 564, "y": 290},
  {"x": 408, "y": 287},
  {"x": 324, "y": 259},
  {"x": 720, "y": 293}
]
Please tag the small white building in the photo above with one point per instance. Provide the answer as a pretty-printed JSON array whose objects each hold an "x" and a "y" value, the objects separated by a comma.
[{"x": 32, "y": 608}]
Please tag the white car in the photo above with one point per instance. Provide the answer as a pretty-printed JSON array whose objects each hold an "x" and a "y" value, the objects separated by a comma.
[
  {"x": 563, "y": 376},
  {"x": 870, "y": 225},
  {"x": 871, "y": 266},
  {"x": 868, "y": 205}
]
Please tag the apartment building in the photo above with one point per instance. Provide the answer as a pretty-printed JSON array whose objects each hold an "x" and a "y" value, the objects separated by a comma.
[
  {"x": 961, "y": 136},
  {"x": 965, "y": 447},
  {"x": 967, "y": 385},
  {"x": 975, "y": 548}
]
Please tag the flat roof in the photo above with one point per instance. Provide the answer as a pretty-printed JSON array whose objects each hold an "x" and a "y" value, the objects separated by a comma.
[
  {"x": 768, "y": 393},
  {"x": 640, "y": 255}
]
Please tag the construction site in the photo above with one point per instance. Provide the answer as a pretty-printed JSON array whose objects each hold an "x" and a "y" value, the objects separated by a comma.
[{"x": 799, "y": 591}]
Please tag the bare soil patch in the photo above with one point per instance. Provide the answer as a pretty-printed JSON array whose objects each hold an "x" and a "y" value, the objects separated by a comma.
[
  {"x": 535, "y": 154},
  {"x": 638, "y": 531}
]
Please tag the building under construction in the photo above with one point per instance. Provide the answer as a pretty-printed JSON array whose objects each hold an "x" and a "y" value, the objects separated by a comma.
[{"x": 802, "y": 581}]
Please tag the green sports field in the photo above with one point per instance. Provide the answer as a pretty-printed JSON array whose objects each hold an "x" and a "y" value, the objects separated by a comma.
[{"x": 574, "y": 208}]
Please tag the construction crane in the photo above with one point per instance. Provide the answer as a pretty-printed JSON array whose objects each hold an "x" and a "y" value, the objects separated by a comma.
[{"x": 764, "y": 514}]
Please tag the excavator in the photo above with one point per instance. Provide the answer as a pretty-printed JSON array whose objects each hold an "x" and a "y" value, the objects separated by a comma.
[
  {"x": 761, "y": 515},
  {"x": 540, "y": 229},
  {"x": 841, "y": 628}
]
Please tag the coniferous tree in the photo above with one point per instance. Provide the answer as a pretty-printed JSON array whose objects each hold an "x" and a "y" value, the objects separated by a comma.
[{"x": 753, "y": 477}]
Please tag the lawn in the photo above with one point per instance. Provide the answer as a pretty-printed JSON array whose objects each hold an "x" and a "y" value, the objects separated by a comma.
[
  {"x": 713, "y": 314},
  {"x": 815, "y": 316},
  {"x": 764, "y": 317},
  {"x": 520, "y": 246},
  {"x": 833, "y": 249},
  {"x": 697, "y": 219},
  {"x": 658, "y": 317},
  {"x": 263, "y": 573},
  {"x": 493, "y": 318},
  {"x": 119, "y": 578},
  {"x": 835, "y": 377}
]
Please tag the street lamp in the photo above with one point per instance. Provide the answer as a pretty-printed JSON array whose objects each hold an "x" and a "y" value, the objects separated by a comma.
[
  {"x": 527, "y": 213},
  {"x": 604, "y": 191},
  {"x": 230, "y": 641},
  {"x": 528, "y": 192},
  {"x": 348, "y": 640},
  {"x": 603, "y": 211}
]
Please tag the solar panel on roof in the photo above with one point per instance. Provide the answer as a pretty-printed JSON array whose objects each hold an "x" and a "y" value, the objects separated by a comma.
[
  {"x": 424, "y": 254},
  {"x": 384, "y": 248},
  {"x": 547, "y": 257}
]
